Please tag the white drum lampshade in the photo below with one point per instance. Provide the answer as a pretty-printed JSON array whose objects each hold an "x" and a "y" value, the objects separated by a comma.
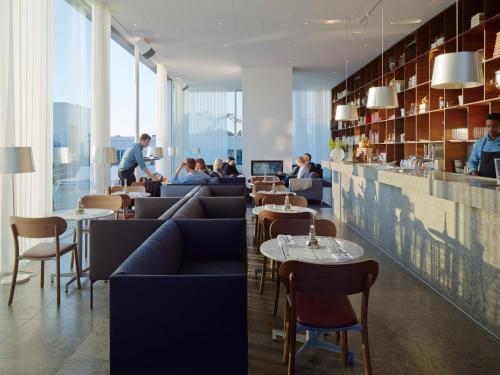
[
  {"x": 104, "y": 155},
  {"x": 173, "y": 151},
  {"x": 457, "y": 70},
  {"x": 155, "y": 152},
  {"x": 346, "y": 112},
  {"x": 16, "y": 160},
  {"x": 382, "y": 97},
  {"x": 61, "y": 155}
]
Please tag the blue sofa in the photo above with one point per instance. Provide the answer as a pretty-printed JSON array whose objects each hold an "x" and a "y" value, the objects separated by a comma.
[{"x": 178, "y": 304}]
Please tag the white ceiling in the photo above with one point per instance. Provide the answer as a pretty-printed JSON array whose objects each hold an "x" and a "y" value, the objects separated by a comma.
[{"x": 207, "y": 42}]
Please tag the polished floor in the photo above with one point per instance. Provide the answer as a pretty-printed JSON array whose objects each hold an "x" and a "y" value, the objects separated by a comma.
[{"x": 412, "y": 329}]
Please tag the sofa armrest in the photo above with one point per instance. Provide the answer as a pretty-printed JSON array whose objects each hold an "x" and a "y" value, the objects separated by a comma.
[
  {"x": 214, "y": 239},
  {"x": 153, "y": 207},
  {"x": 112, "y": 241},
  {"x": 176, "y": 190},
  {"x": 223, "y": 207},
  {"x": 158, "y": 322}
]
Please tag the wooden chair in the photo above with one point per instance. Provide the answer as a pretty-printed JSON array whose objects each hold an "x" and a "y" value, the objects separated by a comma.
[
  {"x": 127, "y": 214},
  {"x": 280, "y": 199},
  {"x": 264, "y": 222},
  {"x": 298, "y": 227},
  {"x": 108, "y": 202},
  {"x": 258, "y": 199},
  {"x": 138, "y": 183},
  {"x": 265, "y": 179},
  {"x": 135, "y": 188},
  {"x": 268, "y": 186},
  {"x": 326, "y": 287},
  {"x": 47, "y": 227}
]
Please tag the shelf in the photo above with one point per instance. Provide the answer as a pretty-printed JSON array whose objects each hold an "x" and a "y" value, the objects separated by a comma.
[{"x": 461, "y": 141}]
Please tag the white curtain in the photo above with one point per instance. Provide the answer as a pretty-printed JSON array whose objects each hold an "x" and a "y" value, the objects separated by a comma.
[
  {"x": 311, "y": 123},
  {"x": 25, "y": 109},
  {"x": 100, "y": 127},
  {"x": 162, "y": 128},
  {"x": 205, "y": 117}
]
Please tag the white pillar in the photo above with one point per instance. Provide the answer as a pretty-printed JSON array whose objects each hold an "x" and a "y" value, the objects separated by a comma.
[
  {"x": 100, "y": 128},
  {"x": 137, "y": 56},
  {"x": 163, "y": 131}
]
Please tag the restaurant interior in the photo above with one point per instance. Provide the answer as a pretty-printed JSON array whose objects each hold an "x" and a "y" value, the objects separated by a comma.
[{"x": 249, "y": 187}]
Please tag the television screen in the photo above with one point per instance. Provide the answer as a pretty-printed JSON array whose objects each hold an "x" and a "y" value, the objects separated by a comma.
[{"x": 267, "y": 167}]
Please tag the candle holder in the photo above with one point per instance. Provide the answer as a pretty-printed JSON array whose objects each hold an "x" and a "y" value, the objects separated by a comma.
[
  {"x": 312, "y": 241},
  {"x": 80, "y": 209},
  {"x": 288, "y": 206}
]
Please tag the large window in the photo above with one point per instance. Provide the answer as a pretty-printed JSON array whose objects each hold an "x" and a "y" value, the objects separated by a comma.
[
  {"x": 206, "y": 124},
  {"x": 71, "y": 93}
]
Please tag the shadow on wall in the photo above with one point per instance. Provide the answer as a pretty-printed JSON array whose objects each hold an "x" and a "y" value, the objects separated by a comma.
[{"x": 455, "y": 267}]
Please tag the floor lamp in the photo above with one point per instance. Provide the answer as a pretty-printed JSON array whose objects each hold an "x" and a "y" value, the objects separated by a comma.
[
  {"x": 14, "y": 160},
  {"x": 155, "y": 153},
  {"x": 172, "y": 153},
  {"x": 104, "y": 155}
]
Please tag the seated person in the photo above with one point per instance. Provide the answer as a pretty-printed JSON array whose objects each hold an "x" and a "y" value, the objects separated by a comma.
[
  {"x": 312, "y": 167},
  {"x": 304, "y": 169},
  {"x": 201, "y": 166},
  {"x": 230, "y": 168},
  {"x": 193, "y": 176},
  {"x": 218, "y": 169}
]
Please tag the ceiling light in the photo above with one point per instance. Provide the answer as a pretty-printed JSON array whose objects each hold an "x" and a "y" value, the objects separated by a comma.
[
  {"x": 135, "y": 24},
  {"x": 347, "y": 111},
  {"x": 457, "y": 70},
  {"x": 391, "y": 23},
  {"x": 225, "y": 45},
  {"x": 331, "y": 22},
  {"x": 365, "y": 45},
  {"x": 294, "y": 45},
  {"x": 221, "y": 23},
  {"x": 306, "y": 23},
  {"x": 382, "y": 97}
]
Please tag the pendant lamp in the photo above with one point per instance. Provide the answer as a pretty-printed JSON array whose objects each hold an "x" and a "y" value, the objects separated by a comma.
[
  {"x": 346, "y": 112},
  {"x": 457, "y": 70},
  {"x": 382, "y": 97}
]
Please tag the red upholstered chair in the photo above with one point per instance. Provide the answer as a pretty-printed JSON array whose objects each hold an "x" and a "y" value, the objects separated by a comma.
[{"x": 318, "y": 302}]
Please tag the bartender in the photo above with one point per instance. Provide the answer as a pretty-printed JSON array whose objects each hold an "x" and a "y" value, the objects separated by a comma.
[
  {"x": 486, "y": 149},
  {"x": 132, "y": 157}
]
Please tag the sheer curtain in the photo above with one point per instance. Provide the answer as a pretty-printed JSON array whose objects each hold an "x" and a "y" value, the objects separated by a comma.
[
  {"x": 205, "y": 125},
  {"x": 311, "y": 114},
  {"x": 25, "y": 109}
]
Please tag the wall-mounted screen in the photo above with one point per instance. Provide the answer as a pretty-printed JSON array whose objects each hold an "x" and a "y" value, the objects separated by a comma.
[{"x": 267, "y": 167}]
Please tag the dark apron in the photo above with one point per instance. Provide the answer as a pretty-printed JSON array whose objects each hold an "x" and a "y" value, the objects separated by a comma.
[
  {"x": 127, "y": 174},
  {"x": 487, "y": 166}
]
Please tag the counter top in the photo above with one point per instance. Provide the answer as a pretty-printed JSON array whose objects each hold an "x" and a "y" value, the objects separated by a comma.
[{"x": 477, "y": 192}]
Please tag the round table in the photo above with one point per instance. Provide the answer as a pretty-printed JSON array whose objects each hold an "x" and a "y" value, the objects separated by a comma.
[
  {"x": 331, "y": 250},
  {"x": 280, "y": 209},
  {"x": 70, "y": 215},
  {"x": 252, "y": 195},
  {"x": 133, "y": 194}
]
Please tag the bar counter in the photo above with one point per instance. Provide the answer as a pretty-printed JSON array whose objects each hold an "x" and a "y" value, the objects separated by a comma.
[{"x": 443, "y": 227}]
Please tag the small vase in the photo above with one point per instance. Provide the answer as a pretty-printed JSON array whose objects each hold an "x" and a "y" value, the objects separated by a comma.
[{"x": 337, "y": 154}]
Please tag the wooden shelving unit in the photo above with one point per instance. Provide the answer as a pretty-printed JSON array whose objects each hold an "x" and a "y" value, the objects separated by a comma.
[{"x": 414, "y": 56}]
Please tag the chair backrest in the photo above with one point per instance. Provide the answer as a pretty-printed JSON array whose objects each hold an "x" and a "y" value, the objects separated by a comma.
[
  {"x": 265, "y": 179},
  {"x": 108, "y": 202},
  {"x": 299, "y": 227},
  {"x": 329, "y": 279},
  {"x": 266, "y": 218},
  {"x": 259, "y": 197},
  {"x": 137, "y": 188},
  {"x": 114, "y": 189},
  {"x": 37, "y": 227},
  {"x": 280, "y": 199},
  {"x": 138, "y": 183},
  {"x": 268, "y": 186}
]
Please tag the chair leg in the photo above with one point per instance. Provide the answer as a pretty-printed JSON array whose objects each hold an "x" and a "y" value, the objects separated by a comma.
[
  {"x": 42, "y": 273},
  {"x": 276, "y": 293},
  {"x": 345, "y": 348},
  {"x": 78, "y": 270},
  {"x": 366, "y": 351},
  {"x": 272, "y": 269},
  {"x": 285, "y": 339},
  {"x": 263, "y": 275},
  {"x": 86, "y": 245},
  {"x": 58, "y": 281},
  {"x": 14, "y": 278},
  {"x": 72, "y": 264},
  {"x": 292, "y": 340},
  {"x": 91, "y": 295},
  {"x": 337, "y": 337}
]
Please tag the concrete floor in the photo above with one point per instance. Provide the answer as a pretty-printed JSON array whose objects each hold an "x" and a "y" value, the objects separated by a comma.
[{"x": 412, "y": 329}]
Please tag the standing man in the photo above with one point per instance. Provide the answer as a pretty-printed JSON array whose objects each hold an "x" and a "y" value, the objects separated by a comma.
[
  {"x": 230, "y": 168},
  {"x": 486, "y": 149},
  {"x": 132, "y": 157}
]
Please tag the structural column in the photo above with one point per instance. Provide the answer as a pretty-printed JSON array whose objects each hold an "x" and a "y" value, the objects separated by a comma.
[
  {"x": 163, "y": 131},
  {"x": 100, "y": 124}
]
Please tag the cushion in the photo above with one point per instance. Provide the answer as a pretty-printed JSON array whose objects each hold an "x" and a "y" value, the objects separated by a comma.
[
  {"x": 47, "y": 250},
  {"x": 216, "y": 267},
  {"x": 192, "y": 209},
  {"x": 324, "y": 311}
]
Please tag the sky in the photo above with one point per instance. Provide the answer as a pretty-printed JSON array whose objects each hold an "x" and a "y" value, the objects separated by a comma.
[{"x": 72, "y": 70}]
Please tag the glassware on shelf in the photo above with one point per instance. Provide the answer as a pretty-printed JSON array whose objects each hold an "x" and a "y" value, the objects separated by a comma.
[
  {"x": 459, "y": 134},
  {"x": 392, "y": 63},
  {"x": 479, "y": 132}
]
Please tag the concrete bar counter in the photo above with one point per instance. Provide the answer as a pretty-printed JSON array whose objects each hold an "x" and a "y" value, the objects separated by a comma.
[{"x": 442, "y": 227}]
